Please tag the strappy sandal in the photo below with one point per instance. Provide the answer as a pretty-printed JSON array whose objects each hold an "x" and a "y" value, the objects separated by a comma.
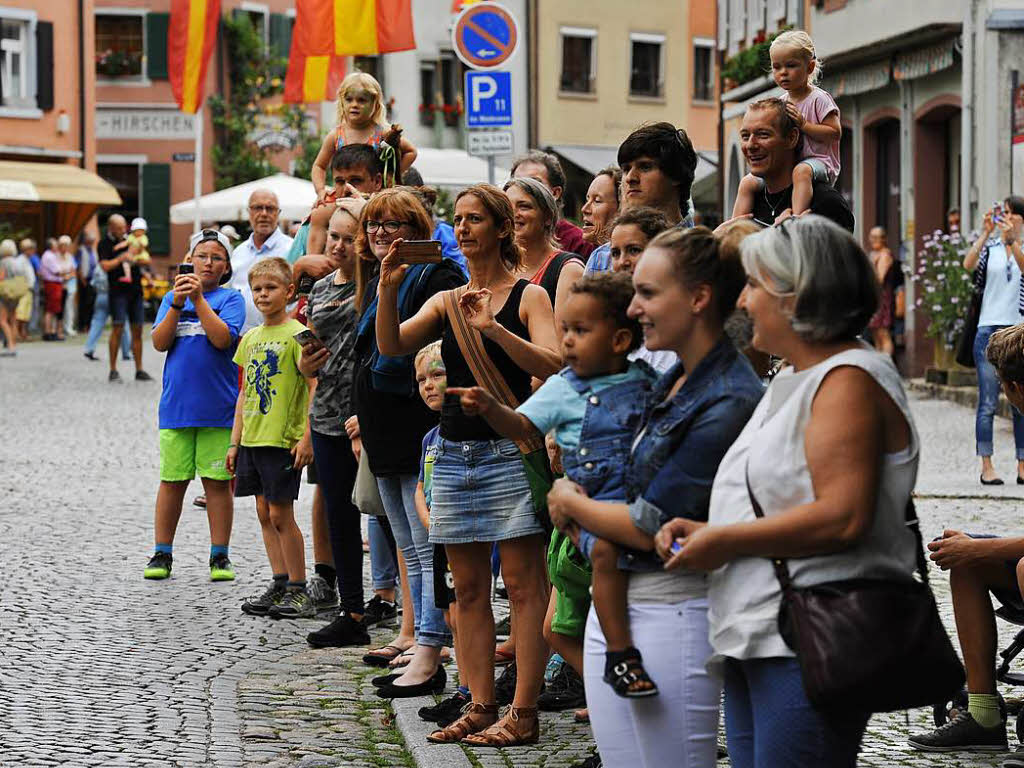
[
  {"x": 624, "y": 675},
  {"x": 475, "y": 717},
  {"x": 382, "y": 657},
  {"x": 507, "y": 732}
]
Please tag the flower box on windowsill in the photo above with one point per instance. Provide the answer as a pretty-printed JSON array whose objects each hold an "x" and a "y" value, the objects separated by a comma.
[{"x": 428, "y": 114}]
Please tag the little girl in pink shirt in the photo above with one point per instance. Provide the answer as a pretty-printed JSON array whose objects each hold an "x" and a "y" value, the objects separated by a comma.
[{"x": 795, "y": 70}]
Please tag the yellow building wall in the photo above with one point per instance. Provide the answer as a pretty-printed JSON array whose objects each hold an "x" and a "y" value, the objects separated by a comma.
[{"x": 607, "y": 116}]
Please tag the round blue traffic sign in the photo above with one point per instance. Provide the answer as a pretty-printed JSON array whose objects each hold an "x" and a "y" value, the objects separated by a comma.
[{"x": 485, "y": 35}]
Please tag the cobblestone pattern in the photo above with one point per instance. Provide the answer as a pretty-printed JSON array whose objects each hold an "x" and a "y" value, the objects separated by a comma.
[{"x": 101, "y": 668}]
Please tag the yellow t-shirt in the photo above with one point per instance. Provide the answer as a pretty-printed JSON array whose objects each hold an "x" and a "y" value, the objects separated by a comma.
[{"x": 276, "y": 394}]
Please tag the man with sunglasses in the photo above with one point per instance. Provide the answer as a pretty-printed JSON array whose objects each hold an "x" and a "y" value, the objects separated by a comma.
[{"x": 266, "y": 240}]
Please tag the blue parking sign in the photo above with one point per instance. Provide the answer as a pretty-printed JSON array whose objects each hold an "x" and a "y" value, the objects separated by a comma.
[{"x": 488, "y": 99}]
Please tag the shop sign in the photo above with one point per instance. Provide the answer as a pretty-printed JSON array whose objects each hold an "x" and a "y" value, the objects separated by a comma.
[
  {"x": 144, "y": 124},
  {"x": 924, "y": 61},
  {"x": 271, "y": 132}
]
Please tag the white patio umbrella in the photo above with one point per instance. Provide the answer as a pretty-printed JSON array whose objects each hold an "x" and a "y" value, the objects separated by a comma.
[{"x": 295, "y": 195}]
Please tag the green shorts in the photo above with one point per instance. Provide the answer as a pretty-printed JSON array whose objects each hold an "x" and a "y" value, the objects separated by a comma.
[
  {"x": 189, "y": 451},
  {"x": 570, "y": 575}
]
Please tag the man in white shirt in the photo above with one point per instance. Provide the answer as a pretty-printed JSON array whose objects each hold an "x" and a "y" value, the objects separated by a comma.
[{"x": 266, "y": 240}]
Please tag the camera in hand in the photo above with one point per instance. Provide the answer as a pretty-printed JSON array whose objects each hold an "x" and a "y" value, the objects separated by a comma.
[
  {"x": 186, "y": 269},
  {"x": 306, "y": 336},
  {"x": 419, "y": 252},
  {"x": 306, "y": 283}
]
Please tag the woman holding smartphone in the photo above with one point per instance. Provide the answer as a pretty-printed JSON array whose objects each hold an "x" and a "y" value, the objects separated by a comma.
[{"x": 997, "y": 260}]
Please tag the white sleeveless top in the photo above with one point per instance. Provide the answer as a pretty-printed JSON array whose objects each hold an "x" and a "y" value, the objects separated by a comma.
[{"x": 744, "y": 594}]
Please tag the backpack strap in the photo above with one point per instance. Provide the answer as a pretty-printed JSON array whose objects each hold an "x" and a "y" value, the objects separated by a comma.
[{"x": 480, "y": 364}]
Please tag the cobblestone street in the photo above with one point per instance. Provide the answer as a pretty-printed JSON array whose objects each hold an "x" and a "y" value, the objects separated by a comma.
[{"x": 101, "y": 668}]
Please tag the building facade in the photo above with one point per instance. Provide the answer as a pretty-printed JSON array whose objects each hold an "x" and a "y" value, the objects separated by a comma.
[{"x": 602, "y": 69}]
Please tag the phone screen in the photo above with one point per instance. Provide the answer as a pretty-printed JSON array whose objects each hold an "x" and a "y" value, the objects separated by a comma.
[{"x": 186, "y": 269}]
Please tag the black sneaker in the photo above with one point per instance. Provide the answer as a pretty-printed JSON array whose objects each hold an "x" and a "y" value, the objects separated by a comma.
[
  {"x": 296, "y": 604},
  {"x": 565, "y": 692},
  {"x": 141, "y": 375},
  {"x": 220, "y": 568},
  {"x": 962, "y": 733},
  {"x": 324, "y": 596},
  {"x": 261, "y": 604},
  {"x": 1016, "y": 760},
  {"x": 446, "y": 712},
  {"x": 379, "y": 610},
  {"x": 114, "y": 376},
  {"x": 340, "y": 633},
  {"x": 159, "y": 566},
  {"x": 505, "y": 685},
  {"x": 594, "y": 761}
]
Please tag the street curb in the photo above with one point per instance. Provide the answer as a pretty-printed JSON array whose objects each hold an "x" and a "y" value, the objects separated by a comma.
[
  {"x": 966, "y": 396},
  {"x": 414, "y": 731}
]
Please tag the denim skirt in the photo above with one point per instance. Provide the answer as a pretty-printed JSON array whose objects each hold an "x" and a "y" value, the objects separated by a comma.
[{"x": 480, "y": 493}]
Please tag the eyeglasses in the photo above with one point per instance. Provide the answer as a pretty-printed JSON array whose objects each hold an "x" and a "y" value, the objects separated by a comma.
[
  {"x": 390, "y": 227},
  {"x": 201, "y": 257},
  {"x": 263, "y": 209}
]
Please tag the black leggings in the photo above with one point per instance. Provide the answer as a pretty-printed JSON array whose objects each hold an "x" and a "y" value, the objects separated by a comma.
[{"x": 336, "y": 470}]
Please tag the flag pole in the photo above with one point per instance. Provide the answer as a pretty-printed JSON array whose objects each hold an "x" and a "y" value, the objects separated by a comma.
[{"x": 197, "y": 183}]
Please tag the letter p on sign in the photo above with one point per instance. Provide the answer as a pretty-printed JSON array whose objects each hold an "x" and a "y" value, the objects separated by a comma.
[{"x": 484, "y": 87}]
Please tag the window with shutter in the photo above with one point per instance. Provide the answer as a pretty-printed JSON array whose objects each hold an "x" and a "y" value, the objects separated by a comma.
[
  {"x": 723, "y": 24},
  {"x": 44, "y": 65},
  {"x": 156, "y": 204},
  {"x": 157, "y": 25},
  {"x": 737, "y": 24},
  {"x": 281, "y": 34}
]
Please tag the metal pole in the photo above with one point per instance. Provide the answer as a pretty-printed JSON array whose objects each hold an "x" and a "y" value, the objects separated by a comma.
[
  {"x": 490, "y": 169},
  {"x": 197, "y": 183}
]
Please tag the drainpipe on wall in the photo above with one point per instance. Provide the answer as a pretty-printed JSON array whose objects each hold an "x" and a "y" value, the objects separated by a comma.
[
  {"x": 968, "y": 194},
  {"x": 531, "y": 72},
  {"x": 81, "y": 82}
]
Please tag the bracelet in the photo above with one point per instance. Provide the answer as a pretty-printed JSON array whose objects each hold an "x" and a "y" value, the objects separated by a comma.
[
  {"x": 175, "y": 306},
  {"x": 233, "y": 445}
]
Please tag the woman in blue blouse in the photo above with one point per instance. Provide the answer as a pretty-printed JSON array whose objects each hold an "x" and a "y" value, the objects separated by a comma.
[{"x": 687, "y": 284}]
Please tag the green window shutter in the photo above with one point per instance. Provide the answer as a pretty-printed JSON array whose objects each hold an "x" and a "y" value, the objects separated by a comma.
[
  {"x": 156, "y": 45},
  {"x": 280, "y": 34},
  {"x": 156, "y": 205}
]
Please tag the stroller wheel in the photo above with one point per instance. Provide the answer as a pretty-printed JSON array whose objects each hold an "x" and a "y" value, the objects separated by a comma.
[{"x": 944, "y": 711}]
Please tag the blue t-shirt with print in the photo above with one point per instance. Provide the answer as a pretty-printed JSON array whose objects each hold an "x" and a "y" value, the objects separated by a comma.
[
  {"x": 430, "y": 441},
  {"x": 200, "y": 381}
]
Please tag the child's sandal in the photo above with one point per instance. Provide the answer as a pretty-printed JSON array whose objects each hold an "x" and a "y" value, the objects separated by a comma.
[
  {"x": 625, "y": 675},
  {"x": 509, "y": 731},
  {"x": 475, "y": 717}
]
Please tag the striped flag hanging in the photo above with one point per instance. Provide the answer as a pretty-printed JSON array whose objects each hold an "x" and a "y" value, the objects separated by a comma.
[
  {"x": 328, "y": 30},
  {"x": 191, "y": 36}
]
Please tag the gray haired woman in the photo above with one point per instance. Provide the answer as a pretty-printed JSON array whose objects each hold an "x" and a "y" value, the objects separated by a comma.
[
  {"x": 830, "y": 455},
  {"x": 14, "y": 284},
  {"x": 544, "y": 264}
]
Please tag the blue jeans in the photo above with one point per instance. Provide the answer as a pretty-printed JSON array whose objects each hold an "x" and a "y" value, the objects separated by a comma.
[
  {"x": 769, "y": 723},
  {"x": 383, "y": 565},
  {"x": 398, "y": 493},
  {"x": 100, "y": 313},
  {"x": 988, "y": 398}
]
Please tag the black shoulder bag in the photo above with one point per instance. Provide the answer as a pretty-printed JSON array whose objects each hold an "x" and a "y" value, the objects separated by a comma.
[
  {"x": 868, "y": 645},
  {"x": 965, "y": 344}
]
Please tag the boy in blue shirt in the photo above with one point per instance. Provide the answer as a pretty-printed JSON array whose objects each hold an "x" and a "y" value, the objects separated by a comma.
[
  {"x": 197, "y": 325},
  {"x": 594, "y": 408}
]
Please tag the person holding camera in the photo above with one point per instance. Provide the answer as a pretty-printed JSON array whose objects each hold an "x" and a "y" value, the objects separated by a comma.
[
  {"x": 997, "y": 260},
  {"x": 197, "y": 325}
]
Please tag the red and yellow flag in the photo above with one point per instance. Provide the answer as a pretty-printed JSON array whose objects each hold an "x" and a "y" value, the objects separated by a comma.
[
  {"x": 458, "y": 5},
  {"x": 328, "y": 30},
  {"x": 191, "y": 36}
]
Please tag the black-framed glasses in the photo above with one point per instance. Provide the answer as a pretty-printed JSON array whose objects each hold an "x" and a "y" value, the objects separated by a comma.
[{"x": 389, "y": 227}]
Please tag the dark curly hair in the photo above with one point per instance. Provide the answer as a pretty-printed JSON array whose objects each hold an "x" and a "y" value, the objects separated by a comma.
[
  {"x": 615, "y": 292},
  {"x": 670, "y": 148},
  {"x": 650, "y": 221}
]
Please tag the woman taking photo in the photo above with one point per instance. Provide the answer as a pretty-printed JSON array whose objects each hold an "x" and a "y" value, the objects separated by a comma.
[
  {"x": 481, "y": 493},
  {"x": 686, "y": 286},
  {"x": 393, "y": 419},
  {"x": 830, "y": 455},
  {"x": 544, "y": 264},
  {"x": 996, "y": 259}
]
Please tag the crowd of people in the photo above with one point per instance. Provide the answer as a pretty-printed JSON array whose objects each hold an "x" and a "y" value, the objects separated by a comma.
[{"x": 588, "y": 411}]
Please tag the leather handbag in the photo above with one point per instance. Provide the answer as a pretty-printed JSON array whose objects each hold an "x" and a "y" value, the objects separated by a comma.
[
  {"x": 868, "y": 644},
  {"x": 486, "y": 374},
  {"x": 965, "y": 345}
]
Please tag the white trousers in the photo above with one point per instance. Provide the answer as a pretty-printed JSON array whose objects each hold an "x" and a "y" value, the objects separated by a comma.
[{"x": 679, "y": 726}]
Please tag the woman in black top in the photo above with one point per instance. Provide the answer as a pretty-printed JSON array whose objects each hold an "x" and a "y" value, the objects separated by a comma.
[
  {"x": 544, "y": 264},
  {"x": 480, "y": 491}
]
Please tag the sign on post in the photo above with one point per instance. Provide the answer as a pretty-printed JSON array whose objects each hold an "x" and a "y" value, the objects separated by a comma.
[
  {"x": 485, "y": 35},
  {"x": 489, "y": 143},
  {"x": 488, "y": 99}
]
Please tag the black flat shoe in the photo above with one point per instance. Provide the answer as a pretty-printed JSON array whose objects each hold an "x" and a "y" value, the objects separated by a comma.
[
  {"x": 382, "y": 680},
  {"x": 1020, "y": 480},
  {"x": 997, "y": 481},
  {"x": 435, "y": 684}
]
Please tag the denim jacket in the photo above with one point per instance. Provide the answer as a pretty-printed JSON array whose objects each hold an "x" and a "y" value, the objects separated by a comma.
[{"x": 683, "y": 440}]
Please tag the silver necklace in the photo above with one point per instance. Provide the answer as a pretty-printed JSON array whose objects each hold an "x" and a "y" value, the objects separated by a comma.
[{"x": 769, "y": 202}]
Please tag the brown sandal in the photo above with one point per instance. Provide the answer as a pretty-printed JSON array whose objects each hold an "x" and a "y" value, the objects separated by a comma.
[
  {"x": 475, "y": 717},
  {"x": 507, "y": 732}
]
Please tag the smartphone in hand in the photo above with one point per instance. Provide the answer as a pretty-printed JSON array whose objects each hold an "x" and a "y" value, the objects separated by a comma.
[
  {"x": 186, "y": 269},
  {"x": 419, "y": 252},
  {"x": 306, "y": 336}
]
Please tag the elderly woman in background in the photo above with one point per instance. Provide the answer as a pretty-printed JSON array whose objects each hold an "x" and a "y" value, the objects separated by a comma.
[
  {"x": 830, "y": 455},
  {"x": 600, "y": 208},
  {"x": 56, "y": 269},
  {"x": 14, "y": 286}
]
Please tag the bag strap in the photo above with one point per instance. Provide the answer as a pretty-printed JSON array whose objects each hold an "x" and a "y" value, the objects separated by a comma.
[
  {"x": 912, "y": 522},
  {"x": 480, "y": 364}
]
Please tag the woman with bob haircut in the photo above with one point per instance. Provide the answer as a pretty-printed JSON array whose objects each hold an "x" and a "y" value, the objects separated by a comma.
[
  {"x": 544, "y": 263},
  {"x": 831, "y": 456},
  {"x": 392, "y": 419},
  {"x": 686, "y": 285},
  {"x": 481, "y": 494}
]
